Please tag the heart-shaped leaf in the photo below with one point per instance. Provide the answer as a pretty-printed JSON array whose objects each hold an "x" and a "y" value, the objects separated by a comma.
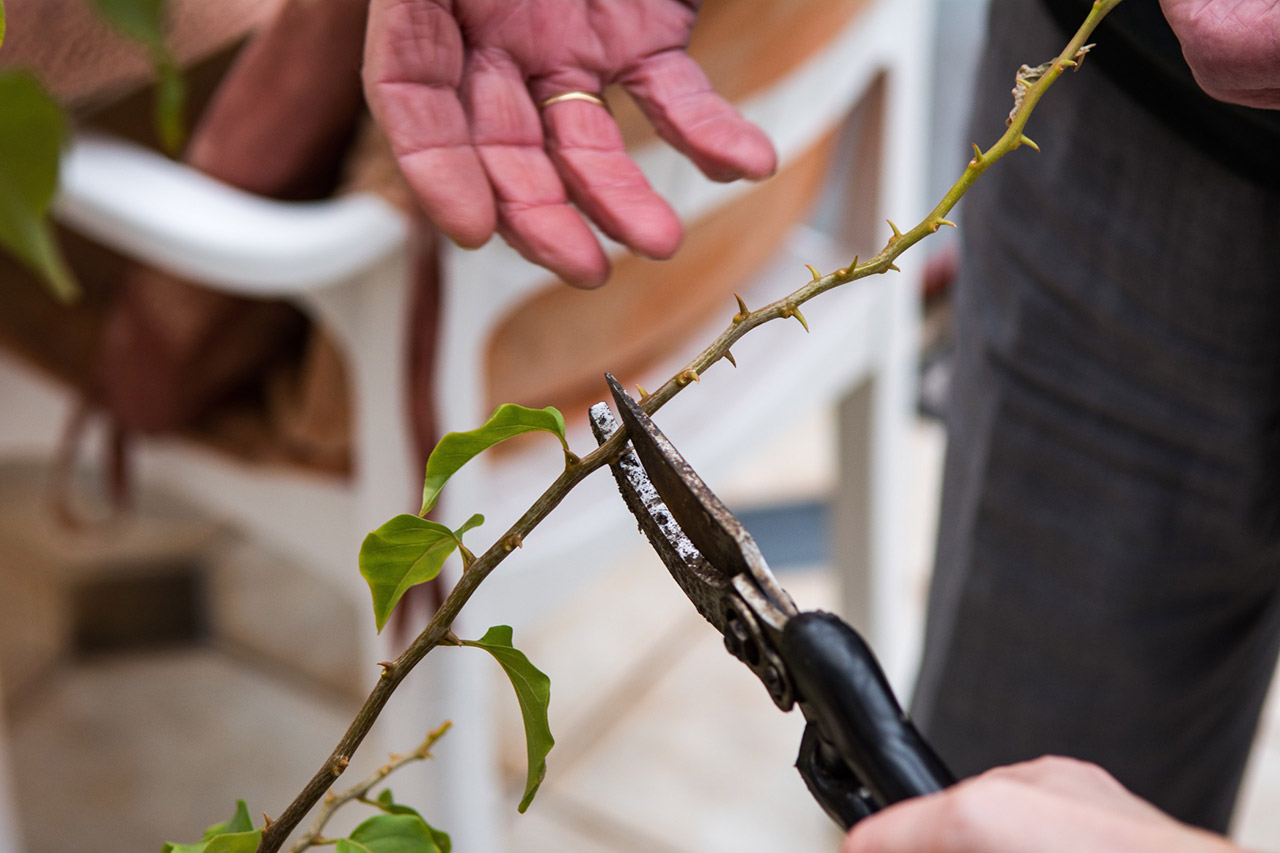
[
  {"x": 403, "y": 553},
  {"x": 533, "y": 692},
  {"x": 456, "y": 449},
  {"x": 32, "y": 131},
  {"x": 400, "y": 554}
]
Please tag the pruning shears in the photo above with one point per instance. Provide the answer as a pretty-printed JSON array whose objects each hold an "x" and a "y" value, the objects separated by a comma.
[{"x": 859, "y": 752}]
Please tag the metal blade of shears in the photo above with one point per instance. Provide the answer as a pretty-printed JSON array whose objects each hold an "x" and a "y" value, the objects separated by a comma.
[
  {"x": 859, "y": 752},
  {"x": 704, "y": 547}
]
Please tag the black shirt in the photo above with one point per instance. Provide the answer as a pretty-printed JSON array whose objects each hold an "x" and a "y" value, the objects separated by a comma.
[{"x": 1139, "y": 51}]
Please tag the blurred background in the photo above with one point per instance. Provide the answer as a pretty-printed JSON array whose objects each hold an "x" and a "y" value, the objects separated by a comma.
[{"x": 266, "y": 345}]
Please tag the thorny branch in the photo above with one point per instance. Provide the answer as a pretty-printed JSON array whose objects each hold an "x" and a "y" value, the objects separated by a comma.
[
  {"x": 360, "y": 791},
  {"x": 1032, "y": 88}
]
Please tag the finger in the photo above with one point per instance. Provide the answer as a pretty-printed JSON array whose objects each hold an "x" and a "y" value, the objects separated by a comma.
[
  {"x": 1079, "y": 781},
  {"x": 533, "y": 208},
  {"x": 412, "y": 68},
  {"x": 687, "y": 113},
  {"x": 989, "y": 814},
  {"x": 586, "y": 147},
  {"x": 911, "y": 826}
]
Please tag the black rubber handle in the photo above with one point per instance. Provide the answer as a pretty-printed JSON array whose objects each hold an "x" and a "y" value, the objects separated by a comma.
[{"x": 837, "y": 676}]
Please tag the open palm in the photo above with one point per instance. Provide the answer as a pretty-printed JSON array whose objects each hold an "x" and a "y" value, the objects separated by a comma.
[{"x": 456, "y": 87}]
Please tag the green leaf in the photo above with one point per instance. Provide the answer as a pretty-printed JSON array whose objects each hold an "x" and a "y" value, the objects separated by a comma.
[
  {"x": 167, "y": 111},
  {"x": 1, "y": 22},
  {"x": 393, "y": 833},
  {"x": 239, "y": 822},
  {"x": 386, "y": 802},
  {"x": 235, "y": 842},
  {"x": 228, "y": 842},
  {"x": 140, "y": 20},
  {"x": 236, "y": 835},
  {"x": 402, "y": 553},
  {"x": 533, "y": 692},
  {"x": 346, "y": 845},
  {"x": 458, "y": 448},
  {"x": 143, "y": 21},
  {"x": 470, "y": 524},
  {"x": 33, "y": 129}
]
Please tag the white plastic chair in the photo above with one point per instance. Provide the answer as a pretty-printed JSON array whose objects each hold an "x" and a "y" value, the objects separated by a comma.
[{"x": 344, "y": 262}]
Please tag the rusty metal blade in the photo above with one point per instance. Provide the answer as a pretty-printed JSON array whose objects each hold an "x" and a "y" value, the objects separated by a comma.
[{"x": 708, "y": 523}]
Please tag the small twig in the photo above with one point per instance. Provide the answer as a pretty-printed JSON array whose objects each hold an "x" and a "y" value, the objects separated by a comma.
[
  {"x": 437, "y": 630},
  {"x": 360, "y": 791}
]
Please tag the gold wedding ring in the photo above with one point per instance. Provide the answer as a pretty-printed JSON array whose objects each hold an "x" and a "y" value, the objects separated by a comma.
[{"x": 589, "y": 97}]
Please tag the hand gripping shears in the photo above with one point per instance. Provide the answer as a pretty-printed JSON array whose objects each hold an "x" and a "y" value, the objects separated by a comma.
[{"x": 859, "y": 752}]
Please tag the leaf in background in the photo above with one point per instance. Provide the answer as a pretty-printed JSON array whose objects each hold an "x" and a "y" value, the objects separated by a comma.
[
  {"x": 236, "y": 835},
  {"x": 170, "y": 103},
  {"x": 346, "y": 845},
  {"x": 228, "y": 842},
  {"x": 386, "y": 802},
  {"x": 240, "y": 822},
  {"x": 533, "y": 692},
  {"x": 456, "y": 449},
  {"x": 402, "y": 553},
  {"x": 391, "y": 833},
  {"x": 143, "y": 21},
  {"x": 235, "y": 842},
  {"x": 32, "y": 131},
  {"x": 140, "y": 20},
  {"x": 470, "y": 524}
]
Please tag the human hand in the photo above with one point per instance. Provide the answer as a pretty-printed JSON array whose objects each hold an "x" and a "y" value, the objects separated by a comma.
[
  {"x": 1050, "y": 805},
  {"x": 455, "y": 87},
  {"x": 1232, "y": 46}
]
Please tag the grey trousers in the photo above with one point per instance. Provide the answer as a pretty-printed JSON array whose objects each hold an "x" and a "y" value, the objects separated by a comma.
[{"x": 1107, "y": 582}]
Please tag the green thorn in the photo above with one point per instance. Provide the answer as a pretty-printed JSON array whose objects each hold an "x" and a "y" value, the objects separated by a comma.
[
  {"x": 814, "y": 272},
  {"x": 1026, "y": 140},
  {"x": 897, "y": 235},
  {"x": 643, "y": 392},
  {"x": 942, "y": 222},
  {"x": 795, "y": 312},
  {"x": 977, "y": 152},
  {"x": 893, "y": 267}
]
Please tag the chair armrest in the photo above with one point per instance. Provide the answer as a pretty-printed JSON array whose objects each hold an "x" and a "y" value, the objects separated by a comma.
[{"x": 173, "y": 217}]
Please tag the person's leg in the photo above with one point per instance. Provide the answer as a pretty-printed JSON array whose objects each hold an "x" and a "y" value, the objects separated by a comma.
[{"x": 1106, "y": 582}]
